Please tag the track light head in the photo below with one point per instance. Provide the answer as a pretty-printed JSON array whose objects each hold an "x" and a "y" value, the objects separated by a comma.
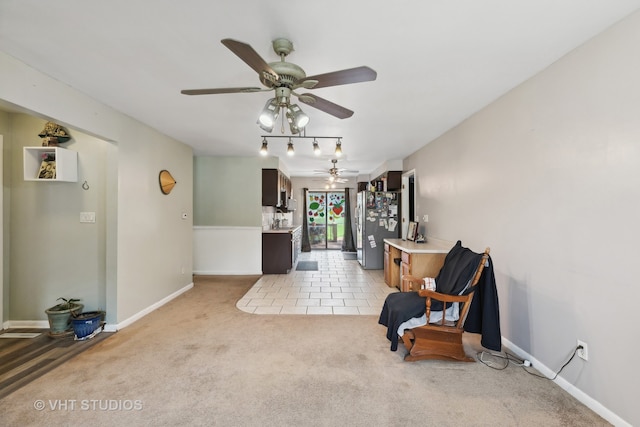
[
  {"x": 264, "y": 151},
  {"x": 338, "y": 151}
]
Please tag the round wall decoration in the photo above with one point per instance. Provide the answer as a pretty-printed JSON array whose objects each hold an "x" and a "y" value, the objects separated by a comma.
[{"x": 166, "y": 182}]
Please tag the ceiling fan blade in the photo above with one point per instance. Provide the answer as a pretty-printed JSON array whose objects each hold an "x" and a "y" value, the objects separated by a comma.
[
  {"x": 343, "y": 77},
  {"x": 326, "y": 106},
  {"x": 249, "y": 56},
  {"x": 221, "y": 90},
  {"x": 307, "y": 84}
]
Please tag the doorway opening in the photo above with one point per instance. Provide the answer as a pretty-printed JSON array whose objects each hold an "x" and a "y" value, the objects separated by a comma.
[
  {"x": 325, "y": 219},
  {"x": 408, "y": 200}
]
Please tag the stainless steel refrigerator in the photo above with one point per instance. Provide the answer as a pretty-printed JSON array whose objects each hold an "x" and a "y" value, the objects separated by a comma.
[{"x": 377, "y": 218}]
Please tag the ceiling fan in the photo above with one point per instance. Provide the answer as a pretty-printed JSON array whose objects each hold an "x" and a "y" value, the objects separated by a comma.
[
  {"x": 285, "y": 79},
  {"x": 335, "y": 172}
]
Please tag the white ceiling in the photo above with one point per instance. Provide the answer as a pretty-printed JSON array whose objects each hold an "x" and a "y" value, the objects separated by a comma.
[{"x": 438, "y": 62}]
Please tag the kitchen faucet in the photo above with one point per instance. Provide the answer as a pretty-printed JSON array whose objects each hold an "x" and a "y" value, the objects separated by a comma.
[{"x": 276, "y": 221}]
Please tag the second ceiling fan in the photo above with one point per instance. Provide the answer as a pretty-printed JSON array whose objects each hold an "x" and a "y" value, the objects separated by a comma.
[{"x": 285, "y": 79}]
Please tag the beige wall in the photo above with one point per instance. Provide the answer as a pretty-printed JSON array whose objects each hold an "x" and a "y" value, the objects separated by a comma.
[
  {"x": 6, "y": 193},
  {"x": 148, "y": 246},
  {"x": 52, "y": 254},
  {"x": 548, "y": 177}
]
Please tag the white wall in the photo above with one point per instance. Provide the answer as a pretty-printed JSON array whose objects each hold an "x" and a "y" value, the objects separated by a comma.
[
  {"x": 148, "y": 244},
  {"x": 227, "y": 250},
  {"x": 548, "y": 177}
]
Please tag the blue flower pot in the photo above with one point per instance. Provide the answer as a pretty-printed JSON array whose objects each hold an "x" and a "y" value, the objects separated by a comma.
[{"x": 85, "y": 323}]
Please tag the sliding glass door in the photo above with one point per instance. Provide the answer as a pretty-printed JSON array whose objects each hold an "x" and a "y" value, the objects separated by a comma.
[{"x": 325, "y": 219}]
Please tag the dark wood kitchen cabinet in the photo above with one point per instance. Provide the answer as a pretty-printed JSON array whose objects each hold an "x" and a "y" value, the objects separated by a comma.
[
  {"x": 280, "y": 250},
  {"x": 276, "y": 188}
]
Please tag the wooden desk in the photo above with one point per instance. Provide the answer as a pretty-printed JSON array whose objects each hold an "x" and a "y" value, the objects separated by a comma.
[{"x": 417, "y": 259}]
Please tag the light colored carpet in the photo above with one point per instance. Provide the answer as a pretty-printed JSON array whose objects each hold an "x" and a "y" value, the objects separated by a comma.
[{"x": 200, "y": 361}]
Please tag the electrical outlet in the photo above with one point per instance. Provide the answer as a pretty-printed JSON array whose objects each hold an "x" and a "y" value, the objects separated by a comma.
[
  {"x": 425, "y": 218},
  {"x": 582, "y": 353}
]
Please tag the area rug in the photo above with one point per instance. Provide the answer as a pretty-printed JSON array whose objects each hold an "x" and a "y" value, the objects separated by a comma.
[{"x": 307, "y": 266}]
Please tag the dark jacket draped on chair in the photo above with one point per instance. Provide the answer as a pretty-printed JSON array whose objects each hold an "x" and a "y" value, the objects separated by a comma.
[{"x": 483, "y": 317}]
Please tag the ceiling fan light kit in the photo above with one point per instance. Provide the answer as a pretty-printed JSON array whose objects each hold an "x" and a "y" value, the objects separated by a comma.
[
  {"x": 269, "y": 115},
  {"x": 296, "y": 116},
  {"x": 284, "y": 78}
]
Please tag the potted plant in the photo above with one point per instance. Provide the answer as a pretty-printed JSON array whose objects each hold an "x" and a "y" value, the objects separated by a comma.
[
  {"x": 60, "y": 315},
  {"x": 86, "y": 323}
]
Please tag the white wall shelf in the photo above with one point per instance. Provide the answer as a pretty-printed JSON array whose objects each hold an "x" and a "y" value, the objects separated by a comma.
[{"x": 66, "y": 163}]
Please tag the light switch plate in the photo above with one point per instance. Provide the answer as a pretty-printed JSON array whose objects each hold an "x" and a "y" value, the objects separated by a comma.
[{"x": 88, "y": 217}]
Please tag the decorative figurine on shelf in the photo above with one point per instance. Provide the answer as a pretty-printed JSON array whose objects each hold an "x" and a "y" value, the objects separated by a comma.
[
  {"x": 47, "y": 167},
  {"x": 52, "y": 134}
]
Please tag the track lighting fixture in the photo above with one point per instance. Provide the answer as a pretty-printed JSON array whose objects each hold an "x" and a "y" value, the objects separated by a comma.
[{"x": 290, "y": 148}]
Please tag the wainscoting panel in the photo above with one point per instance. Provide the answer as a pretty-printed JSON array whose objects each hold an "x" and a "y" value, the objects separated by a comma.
[{"x": 227, "y": 250}]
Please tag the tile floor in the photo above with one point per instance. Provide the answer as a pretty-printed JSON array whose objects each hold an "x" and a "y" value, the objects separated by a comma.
[{"x": 338, "y": 287}]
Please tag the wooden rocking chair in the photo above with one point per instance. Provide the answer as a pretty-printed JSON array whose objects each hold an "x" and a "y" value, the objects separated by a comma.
[{"x": 442, "y": 340}]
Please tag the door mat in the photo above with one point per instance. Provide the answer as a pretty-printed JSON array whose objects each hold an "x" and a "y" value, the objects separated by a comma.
[
  {"x": 307, "y": 266},
  {"x": 350, "y": 255}
]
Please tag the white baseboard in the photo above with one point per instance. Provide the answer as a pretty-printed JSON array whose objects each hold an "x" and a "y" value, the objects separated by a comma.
[
  {"x": 35, "y": 324},
  {"x": 141, "y": 314},
  {"x": 581, "y": 396},
  {"x": 109, "y": 327},
  {"x": 226, "y": 273}
]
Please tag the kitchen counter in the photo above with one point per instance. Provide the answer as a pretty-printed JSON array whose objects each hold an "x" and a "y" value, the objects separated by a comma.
[
  {"x": 281, "y": 229},
  {"x": 431, "y": 246},
  {"x": 416, "y": 259}
]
